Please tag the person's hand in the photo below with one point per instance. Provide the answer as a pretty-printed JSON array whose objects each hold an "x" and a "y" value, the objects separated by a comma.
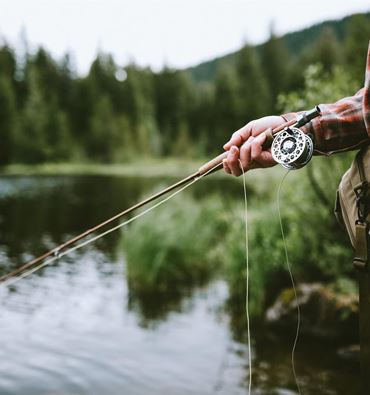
[{"x": 245, "y": 146}]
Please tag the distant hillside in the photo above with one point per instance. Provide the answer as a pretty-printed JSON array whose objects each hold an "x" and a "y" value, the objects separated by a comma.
[{"x": 296, "y": 42}]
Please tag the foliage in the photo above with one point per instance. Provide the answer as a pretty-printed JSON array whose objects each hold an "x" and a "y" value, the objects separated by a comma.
[
  {"x": 8, "y": 129},
  {"x": 320, "y": 86},
  {"x": 274, "y": 55},
  {"x": 356, "y": 46},
  {"x": 318, "y": 250},
  {"x": 176, "y": 246}
]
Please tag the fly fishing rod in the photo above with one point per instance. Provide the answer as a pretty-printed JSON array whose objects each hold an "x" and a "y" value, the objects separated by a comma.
[{"x": 289, "y": 146}]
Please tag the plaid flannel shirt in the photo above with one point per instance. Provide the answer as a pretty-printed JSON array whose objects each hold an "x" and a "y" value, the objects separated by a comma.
[{"x": 343, "y": 125}]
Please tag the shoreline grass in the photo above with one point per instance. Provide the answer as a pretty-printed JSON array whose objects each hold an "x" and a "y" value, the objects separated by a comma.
[
  {"x": 170, "y": 167},
  {"x": 263, "y": 182},
  {"x": 181, "y": 251}
]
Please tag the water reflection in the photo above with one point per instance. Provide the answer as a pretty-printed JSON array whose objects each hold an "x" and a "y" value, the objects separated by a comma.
[
  {"x": 37, "y": 213},
  {"x": 69, "y": 332}
]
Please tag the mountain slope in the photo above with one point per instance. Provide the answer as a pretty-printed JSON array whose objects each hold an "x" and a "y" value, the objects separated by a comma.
[{"x": 296, "y": 42}]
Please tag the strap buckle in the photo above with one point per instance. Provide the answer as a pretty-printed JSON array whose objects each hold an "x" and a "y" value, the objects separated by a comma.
[{"x": 361, "y": 258}]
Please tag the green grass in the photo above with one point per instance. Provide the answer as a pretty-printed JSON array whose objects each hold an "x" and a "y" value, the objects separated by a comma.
[{"x": 177, "y": 246}]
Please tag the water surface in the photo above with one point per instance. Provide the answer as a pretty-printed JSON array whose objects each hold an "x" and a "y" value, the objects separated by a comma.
[{"x": 75, "y": 328}]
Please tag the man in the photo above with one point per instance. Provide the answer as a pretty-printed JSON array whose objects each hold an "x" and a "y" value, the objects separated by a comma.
[{"x": 343, "y": 126}]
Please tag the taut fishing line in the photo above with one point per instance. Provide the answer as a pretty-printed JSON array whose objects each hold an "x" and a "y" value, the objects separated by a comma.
[
  {"x": 247, "y": 281},
  {"x": 57, "y": 255},
  {"x": 293, "y": 283},
  {"x": 223, "y": 365}
]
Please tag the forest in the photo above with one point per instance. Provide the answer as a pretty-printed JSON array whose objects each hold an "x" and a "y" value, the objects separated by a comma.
[{"x": 117, "y": 113}]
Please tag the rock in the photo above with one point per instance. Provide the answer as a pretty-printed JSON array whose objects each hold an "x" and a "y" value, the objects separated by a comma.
[
  {"x": 349, "y": 353},
  {"x": 326, "y": 309}
]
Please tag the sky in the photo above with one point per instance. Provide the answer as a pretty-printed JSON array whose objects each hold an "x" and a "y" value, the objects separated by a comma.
[{"x": 176, "y": 33}]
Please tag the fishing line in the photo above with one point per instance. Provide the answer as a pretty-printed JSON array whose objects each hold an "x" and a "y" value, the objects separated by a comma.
[
  {"x": 247, "y": 279},
  {"x": 292, "y": 281},
  {"x": 58, "y": 255},
  {"x": 217, "y": 387}
]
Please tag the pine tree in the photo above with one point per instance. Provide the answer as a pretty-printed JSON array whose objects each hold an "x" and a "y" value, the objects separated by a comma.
[
  {"x": 253, "y": 96},
  {"x": 8, "y": 121},
  {"x": 173, "y": 105},
  {"x": 225, "y": 109},
  {"x": 356, "y": 44},
  {"x": 139, "y": 105},
  {"x": 326, "y": 50},
  {"x": 7, "y": 63},
  {"x": 275, "y": 62},
  {"x": 105, "y": 137},
  {"x": 32, "y": 145},
  {"x": 58, "y": 137}
]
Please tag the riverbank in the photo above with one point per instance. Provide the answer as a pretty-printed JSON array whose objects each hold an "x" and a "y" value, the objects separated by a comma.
[
  {"x": 263, "y": 182},
  {"x": 143, "y": 168}
]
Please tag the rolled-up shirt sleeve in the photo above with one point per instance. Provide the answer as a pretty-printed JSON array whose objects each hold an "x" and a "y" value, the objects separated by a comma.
[{"x": 343, "y": 125}]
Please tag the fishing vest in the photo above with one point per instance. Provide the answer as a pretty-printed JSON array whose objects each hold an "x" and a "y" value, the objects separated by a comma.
[{"x": 353, "y": 210}]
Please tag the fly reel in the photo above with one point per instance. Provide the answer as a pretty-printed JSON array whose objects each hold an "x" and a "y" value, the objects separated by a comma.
[{"x": 292, "y": 148}]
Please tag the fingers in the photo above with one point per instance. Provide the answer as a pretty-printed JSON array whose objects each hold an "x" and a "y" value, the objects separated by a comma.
[
  {"x": 256, "y": 146},
  {"x": 232, "y": 162},
  {"x": 226, "y": 166},
  {"x": 239, "y": 136},
  {"x": 245, "y": 153},
  {"x": 250, "y": 156}
]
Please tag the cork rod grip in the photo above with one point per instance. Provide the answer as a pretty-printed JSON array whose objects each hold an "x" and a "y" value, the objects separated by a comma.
[{"x": 212, "y": 163}]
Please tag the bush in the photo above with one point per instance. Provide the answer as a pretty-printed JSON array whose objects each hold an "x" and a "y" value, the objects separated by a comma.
[
  {"x": 175, "y": 246},
  {"x": 318, "y": 249}
]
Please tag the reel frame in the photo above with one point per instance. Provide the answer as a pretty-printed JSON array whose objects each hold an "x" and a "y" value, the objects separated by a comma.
[{"x": 292, "y": 148}]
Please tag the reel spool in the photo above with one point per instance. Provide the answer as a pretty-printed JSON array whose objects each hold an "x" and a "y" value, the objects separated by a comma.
[{"x": 292, "y": 148}]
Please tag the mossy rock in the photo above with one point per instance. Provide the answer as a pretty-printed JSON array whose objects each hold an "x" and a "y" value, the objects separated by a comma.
[{"x": 326, "y": 309}]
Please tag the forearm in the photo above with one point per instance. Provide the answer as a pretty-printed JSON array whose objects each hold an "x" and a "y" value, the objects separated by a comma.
[{"x": 341, "y": 127}]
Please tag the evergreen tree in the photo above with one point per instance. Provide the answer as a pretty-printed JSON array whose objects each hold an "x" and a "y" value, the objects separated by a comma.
[
  {"x": 356, "y": 44},
  {"x": 173, "y": 104},
  {"x": 47, "y": 72},
  {"x": 59, "y": 143},
  {"x": 202, "y": 120},
  {"x": 275, "y": 62},
  {"x": 106, "y": 139},
  {"x": 139, "y": 105},
  {"x": 32, "y": 146},
  {"x": 253, "y": 96},
  {"x": 8, "y": 121},
  {"x": 326, "y": 50},
  {"x": 7, "y": 63},
  {"x": 226, "y": 118}
]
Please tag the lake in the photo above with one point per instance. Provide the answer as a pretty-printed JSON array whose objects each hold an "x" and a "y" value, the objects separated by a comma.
[{"x": 75, "y": 328}]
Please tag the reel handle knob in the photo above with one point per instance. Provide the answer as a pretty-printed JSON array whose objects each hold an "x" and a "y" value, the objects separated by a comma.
[{"x": 308, "y": 116}]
